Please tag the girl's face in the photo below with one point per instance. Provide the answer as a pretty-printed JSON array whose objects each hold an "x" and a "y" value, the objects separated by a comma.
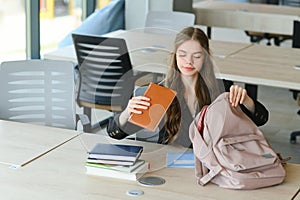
[{"x": 189, "y": 57}]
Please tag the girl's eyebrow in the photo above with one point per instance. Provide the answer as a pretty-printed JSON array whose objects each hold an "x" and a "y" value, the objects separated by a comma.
[
  {"x": 197, "y": 52},
  {"x": 183, "y": 51}
]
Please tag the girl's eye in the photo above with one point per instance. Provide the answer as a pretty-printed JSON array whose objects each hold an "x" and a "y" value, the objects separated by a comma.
[
  {"x": 197, "y": 56},
  {"x": 181, "y": 55}
]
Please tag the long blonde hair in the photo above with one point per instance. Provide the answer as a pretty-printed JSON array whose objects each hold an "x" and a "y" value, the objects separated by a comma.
[{"x": 206, "y": 88}]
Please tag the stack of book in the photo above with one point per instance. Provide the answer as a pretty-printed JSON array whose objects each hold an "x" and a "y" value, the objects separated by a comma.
[{"x": 116, "y": 161}]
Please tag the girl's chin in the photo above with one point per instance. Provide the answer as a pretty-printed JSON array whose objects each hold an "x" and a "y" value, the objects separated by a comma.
[{"x": 190, "y": 73}]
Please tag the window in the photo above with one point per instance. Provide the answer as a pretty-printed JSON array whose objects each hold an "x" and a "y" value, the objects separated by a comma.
[
  {"x": 57, "y": 19},
  {"x": 13, "y": 30}
]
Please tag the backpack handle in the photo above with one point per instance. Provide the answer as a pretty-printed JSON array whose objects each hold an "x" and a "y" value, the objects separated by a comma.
[{"x": 200, "y": 125}]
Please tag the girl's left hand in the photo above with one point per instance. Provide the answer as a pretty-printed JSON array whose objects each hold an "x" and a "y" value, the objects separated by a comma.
[{"x": 238, "y": 95}]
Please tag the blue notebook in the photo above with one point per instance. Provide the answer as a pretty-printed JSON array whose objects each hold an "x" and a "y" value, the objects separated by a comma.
[
  {"x": 180, "y": 160},
  {"x": 119, "y": 152}
]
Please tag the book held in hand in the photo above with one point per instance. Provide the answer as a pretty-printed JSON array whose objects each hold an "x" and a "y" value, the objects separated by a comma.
[
  {"x": 160, "y": 100},
  {"x": 117, "y": 152}
]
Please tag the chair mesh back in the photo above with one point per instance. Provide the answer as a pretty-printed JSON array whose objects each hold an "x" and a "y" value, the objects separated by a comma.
[
  {"x": 39, "y": 92},
  {"x": 105, "y": 70}
]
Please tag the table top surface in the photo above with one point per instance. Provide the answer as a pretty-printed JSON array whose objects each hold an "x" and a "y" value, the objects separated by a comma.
[
  {"x": 20, "y": 143},
  {"x": 149, "y": 52},
  {"x": 263, "y": 65},
  {"x": 257, "y": 8},
  {"x": 60, "y": 174},
  {"x": 263, "y": 18},
  {"x": 243, "y": 62},
  {"x": 148, "y": 45}
]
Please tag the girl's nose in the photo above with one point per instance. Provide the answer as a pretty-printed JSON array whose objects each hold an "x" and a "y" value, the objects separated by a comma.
[{"x": 189, "y": 60}]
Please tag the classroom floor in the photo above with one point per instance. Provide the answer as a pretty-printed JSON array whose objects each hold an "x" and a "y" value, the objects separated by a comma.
[
  {"x": 283, "y": 120},
  {"x": 280, "y": 103}
]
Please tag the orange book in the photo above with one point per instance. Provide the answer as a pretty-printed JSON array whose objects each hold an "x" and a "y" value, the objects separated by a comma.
[{"x": 160, "y": 100}]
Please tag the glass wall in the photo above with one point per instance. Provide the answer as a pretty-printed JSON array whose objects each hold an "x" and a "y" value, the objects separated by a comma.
[
  {"x": 57, "y": 19},
  {"x": 13, "y": 30}
]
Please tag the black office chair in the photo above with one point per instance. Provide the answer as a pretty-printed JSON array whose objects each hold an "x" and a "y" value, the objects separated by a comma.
[
  {"x": 256, "y": 37},
  {"x": 106, "y": 79},
  {"x": 295, "y": 44}
]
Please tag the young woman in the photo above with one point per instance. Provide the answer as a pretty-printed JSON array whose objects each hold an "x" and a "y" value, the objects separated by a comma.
[{"x": 192, "y": 76}]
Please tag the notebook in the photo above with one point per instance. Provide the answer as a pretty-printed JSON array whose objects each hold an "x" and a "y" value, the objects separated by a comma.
[
  {"x": 133, "y": 176},
  {"x": 120, "y": 152},
  {"x": 160, "y": 100},
  {"x": 120, "y": 168}
]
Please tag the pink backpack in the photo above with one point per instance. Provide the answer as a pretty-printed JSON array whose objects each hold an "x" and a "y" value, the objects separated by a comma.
[{"x": 230, "y": 150}]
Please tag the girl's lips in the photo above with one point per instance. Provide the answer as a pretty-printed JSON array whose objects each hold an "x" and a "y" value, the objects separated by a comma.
[{"x": 189, "y": 68}]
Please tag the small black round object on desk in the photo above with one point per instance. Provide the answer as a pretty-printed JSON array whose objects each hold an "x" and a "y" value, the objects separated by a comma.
[{"x": 151, "y": 181}]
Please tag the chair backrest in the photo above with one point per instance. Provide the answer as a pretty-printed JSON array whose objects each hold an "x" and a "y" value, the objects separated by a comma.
[
  {"x": 39, "y": 92},
  {"x": 171, "y": 21},
  {"x": 296, "y": 35},
  {"x": 106, "y": 77}
]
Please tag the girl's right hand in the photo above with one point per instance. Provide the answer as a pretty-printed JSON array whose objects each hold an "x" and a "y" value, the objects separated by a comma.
[{"x": 137, "y": 104}]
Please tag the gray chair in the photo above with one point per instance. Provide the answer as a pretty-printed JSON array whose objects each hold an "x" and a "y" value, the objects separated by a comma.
[
  {"x": 168, "y": 22},
  {"x": 40, "y": 92}
]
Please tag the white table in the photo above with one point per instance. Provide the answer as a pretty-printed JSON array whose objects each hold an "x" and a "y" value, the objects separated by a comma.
[
  {"x": 60, "y": 174},
  {"x": 150, "y": 52},
  {"x": 264, "y": 18},
  {"x": 21, "y": 143},
  {"x": 242, "y": 62},
  {"x": 264, "y": 65}
]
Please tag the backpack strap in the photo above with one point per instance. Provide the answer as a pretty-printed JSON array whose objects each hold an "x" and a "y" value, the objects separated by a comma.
[
  {"x": 200, "y": 125},
  {"x": 206, "y": 177},
  {"x": 211, "y": 174}
]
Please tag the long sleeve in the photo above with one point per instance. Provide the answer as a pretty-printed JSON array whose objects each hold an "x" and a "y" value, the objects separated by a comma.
[
  {"x": 115, "y": 130},
  {"x": 260, "y": 115}
]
